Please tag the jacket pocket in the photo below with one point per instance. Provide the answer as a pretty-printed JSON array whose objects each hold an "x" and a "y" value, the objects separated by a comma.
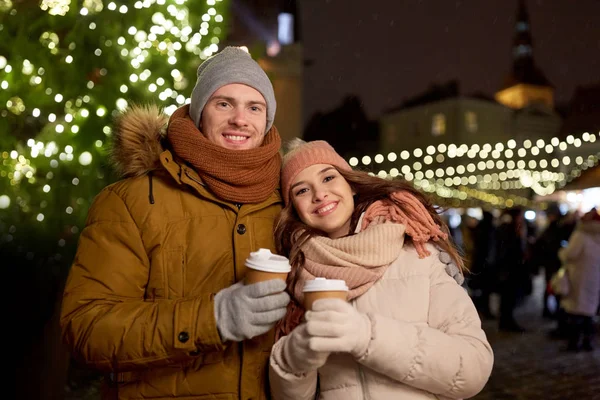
[
  {"x": 167, "y": 275},
  {"x": 156, "y": 287},
  {"x": 174, "y": 266}
]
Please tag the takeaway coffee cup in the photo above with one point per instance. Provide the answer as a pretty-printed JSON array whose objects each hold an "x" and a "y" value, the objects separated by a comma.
[
  {"x": 264, "y": 265},
  {"x": 322, "y": 288}
]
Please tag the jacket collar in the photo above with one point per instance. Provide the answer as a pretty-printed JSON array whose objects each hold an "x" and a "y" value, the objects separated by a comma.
[{"x": 183, "y": 174}]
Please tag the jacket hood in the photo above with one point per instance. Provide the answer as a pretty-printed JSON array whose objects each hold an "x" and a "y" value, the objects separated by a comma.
[{"x": 139, "y": 138}]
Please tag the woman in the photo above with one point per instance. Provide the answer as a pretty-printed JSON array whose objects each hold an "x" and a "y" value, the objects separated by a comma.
[
  {"x": 582, "y": 263},
  {"x": 409, "y": 330}
]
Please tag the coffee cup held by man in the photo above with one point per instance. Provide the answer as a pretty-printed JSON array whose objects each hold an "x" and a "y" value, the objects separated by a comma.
[{"x": 155, "y": 297}]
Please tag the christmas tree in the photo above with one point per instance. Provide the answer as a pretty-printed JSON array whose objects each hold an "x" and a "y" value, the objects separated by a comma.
[{"x": 67, "y": 68}]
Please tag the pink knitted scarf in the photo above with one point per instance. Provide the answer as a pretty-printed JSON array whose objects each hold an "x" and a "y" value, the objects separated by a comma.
[
  {"x": 362, "y": 259},
  {"x": 359, "y": 259}
]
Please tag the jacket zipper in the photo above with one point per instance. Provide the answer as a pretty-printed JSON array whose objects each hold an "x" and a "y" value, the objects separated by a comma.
[
  {"x": 361, "y": 373},
  {"x": 363, "y": 382}
]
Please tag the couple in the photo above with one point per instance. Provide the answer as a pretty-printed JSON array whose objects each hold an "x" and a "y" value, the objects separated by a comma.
[{"x": 155, "y": 297}]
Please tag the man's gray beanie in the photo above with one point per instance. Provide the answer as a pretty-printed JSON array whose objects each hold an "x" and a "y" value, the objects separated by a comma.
[{"x": 231, "y": 65}]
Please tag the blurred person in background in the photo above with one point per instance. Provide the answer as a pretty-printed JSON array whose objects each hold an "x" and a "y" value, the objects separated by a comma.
[
  {"x": 482, "y": 273},
  {"x": 581, "y": 260},
  {"x": 546, "y": 250},
  {"x": 467, "y": 230},
  {"x": 512, "y": 274}
]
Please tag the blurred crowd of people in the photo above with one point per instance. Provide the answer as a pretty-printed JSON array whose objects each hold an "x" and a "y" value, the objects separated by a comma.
[{"x": 504, "y": 251}]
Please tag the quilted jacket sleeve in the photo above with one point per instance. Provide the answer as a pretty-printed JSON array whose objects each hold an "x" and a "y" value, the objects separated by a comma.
[
  {"x": 450, "y": 356},
  {"x": 105, "y": 320},
  {"x": 286, "y": 385}
]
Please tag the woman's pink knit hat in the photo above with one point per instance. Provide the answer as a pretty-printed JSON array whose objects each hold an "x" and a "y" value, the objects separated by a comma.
[{"x": 303, "y": 154}]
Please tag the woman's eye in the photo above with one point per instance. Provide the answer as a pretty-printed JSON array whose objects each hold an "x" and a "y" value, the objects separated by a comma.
[
  {"x": 301, "y": 191},
  {"x": 329, "y": 178}
]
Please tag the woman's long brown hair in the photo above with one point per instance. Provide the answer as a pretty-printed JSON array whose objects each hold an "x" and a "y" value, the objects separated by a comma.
[{"x": 291, "y": 233}]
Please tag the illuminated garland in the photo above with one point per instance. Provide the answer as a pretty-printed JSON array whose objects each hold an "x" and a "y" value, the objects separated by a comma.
[
  {"x": 499, "y": 167},
  {"x": 497, "y": 151}
]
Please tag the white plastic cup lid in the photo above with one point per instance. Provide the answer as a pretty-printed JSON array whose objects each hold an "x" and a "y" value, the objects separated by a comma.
[
  {"x": 325, "y": 285},
  {"x": 264, "y": 260}
]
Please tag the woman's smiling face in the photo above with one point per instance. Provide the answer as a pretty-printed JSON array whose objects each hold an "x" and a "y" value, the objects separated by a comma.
[{"x": 323, "y": 199}]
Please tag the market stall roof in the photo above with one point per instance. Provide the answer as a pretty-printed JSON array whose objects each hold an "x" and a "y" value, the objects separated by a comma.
[{"x": 589, "y": 178}]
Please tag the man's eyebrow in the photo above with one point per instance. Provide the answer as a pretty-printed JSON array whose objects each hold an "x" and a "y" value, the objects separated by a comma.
[
  {"x": 320, "y": 172},
  {"x": 221, "y": 97},
  {"x": 232, "y": 100}
]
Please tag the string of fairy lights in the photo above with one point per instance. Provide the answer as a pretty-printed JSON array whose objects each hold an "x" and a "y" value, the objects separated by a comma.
[
  {"x": 479, "y": 170},
  {"x": 169, "y": 35}
]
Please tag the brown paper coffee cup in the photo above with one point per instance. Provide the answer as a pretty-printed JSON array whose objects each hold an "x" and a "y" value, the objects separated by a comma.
[
  {"x": 264, "y": 266},
  {"x": 311, "y": 297},
  {"x": 322, "y": 288},
  {"x": 254, "y": 276}
]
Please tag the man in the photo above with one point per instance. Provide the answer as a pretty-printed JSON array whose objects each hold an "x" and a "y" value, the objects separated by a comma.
[{"x": 154, "y": 297}]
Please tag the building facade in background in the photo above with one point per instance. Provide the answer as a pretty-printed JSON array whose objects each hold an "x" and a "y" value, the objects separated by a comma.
[{"x": 464, "y": 120}]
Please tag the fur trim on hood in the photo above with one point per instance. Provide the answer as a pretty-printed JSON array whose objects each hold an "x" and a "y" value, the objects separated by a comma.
[{"x": 138, "y": 140}]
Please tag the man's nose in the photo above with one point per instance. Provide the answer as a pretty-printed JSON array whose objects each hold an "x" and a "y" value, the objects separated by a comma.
[{"x": 238, "y": 117}]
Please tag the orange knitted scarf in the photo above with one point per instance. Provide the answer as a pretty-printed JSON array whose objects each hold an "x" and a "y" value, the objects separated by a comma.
[
  {"x": 240, "y": 176},
  {"x": 362, "y": 259}
]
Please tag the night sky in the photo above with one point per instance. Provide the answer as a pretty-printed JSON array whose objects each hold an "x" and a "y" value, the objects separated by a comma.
[{"x": 388, "y": 51}]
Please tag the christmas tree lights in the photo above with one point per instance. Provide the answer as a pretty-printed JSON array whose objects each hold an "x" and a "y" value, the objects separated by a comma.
[{"x": 66, "y": 70}]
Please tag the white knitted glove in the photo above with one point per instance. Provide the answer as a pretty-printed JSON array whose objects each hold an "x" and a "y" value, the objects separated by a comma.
[
  {"x": 335, "y": 326},
  {"x": 296, "y": 354},
  {"x": 245, "y": 311}
]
